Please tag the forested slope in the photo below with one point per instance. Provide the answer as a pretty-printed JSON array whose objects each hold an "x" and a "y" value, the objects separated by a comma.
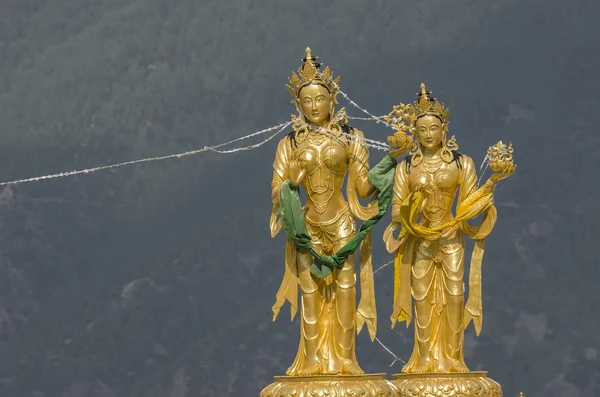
[{"x": 157, "y": 279}]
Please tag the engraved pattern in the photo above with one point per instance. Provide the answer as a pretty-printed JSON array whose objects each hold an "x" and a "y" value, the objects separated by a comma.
[
  {"x": 403, "y": 118},
  {"x": 316, "y": 138},
  {"x": 500, "y": 157},
  {"x": 310, "y": 72},
  {"x": 277, "y": 182},
  {"x": 432, "y": 166},
  {"x": 470, "y": 384},
  {"x": 343, "y": 386}
]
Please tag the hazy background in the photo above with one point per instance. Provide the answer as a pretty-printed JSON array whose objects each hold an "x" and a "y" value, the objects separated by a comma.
[{"x": 157, "y": 280}]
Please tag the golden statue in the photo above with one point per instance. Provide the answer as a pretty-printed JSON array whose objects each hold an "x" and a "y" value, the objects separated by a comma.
[
  {"x": 429, "y": 261},
  {"x": 319, "y": 255}
]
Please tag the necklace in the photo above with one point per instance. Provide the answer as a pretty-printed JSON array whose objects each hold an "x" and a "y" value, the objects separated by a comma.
[
  {"x": 432, "y": 166},
  {"x": 316, "y": 138},
  {"x": 320, "y": 181}
]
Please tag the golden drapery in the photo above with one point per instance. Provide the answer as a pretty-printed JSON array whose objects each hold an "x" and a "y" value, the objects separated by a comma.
[
  {"x": 477, "y": 203},
  {"x": 295, "y": 262}
]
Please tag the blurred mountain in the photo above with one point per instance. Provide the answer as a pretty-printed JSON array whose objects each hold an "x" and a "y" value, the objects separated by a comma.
[{"x": 157, "y": 279}]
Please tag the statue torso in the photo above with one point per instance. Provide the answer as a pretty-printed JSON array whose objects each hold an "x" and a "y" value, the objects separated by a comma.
[
  {"x": 439, "y": 182},
  {"x": 325, "y": 160}
]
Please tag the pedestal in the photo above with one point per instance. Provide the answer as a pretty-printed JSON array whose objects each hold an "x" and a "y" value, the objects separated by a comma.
[
  {"x": 469, "y": 384},
  {"x": 367, "y": 385}
]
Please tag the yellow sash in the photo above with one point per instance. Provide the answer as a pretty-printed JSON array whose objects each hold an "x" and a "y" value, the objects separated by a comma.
[{"x": 476, "y": 204}]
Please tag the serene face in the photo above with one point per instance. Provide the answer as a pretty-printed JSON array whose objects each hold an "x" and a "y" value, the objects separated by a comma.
[
  {"x": 316, "y": 104},
  {"x": 429, "y": 132}
]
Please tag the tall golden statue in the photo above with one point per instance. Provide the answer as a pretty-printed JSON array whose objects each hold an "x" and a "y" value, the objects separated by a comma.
[
  {"x": 322, "y": 238},
  {"x": 429, "y": 261}
]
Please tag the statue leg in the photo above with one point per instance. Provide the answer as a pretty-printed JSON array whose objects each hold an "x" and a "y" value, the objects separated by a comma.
[
  {"x": 453, "y": 332},
  {"x": 345, "y": 301},
  {"x": 311, "y": 327},
  {"x": 426, "y": 320},
  {"x": 345, "y": 324}
]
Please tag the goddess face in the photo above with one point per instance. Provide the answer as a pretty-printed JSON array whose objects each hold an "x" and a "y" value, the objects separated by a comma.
[
  {"x": 430, "y": 132},
  {"x": 316, "y": 104}
]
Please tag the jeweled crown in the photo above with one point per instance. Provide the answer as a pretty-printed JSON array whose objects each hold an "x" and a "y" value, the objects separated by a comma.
[
  {"x": 428, "y": 105},
  {"x": 310, "y": 72},
  {"x": 425, "y": 105}
]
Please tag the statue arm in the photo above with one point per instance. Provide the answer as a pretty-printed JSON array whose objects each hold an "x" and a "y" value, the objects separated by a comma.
[
  {"x": 280, "y": 174},
  {"x": 468, "y": 180},
  {"x": 360, "y": 163},
  {"x": 280, "y": 169},
  {"x": 275, "y": 187},
  {"x": 401, "y": 190}
]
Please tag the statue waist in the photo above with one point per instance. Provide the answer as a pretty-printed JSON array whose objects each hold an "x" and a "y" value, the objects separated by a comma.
[
  {"x": 445, "y": 245},
  {"x": 324, "y": 208},
  {"x": 433, "y": 223},
  {"x": 322, "y": 221}
]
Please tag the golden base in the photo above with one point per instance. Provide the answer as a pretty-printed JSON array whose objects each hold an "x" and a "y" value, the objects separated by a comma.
[
  {"x": 368, "y": 385},
  {"x": 469, "y": 384}
]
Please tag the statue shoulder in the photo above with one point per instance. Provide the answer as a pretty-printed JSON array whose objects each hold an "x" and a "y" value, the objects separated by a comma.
[
  {"x": 352, "y": 131},
  {"x": 290, "y": 141},
  {"x": 285, "y": 145},
  {"x": 463, "y": 161}
]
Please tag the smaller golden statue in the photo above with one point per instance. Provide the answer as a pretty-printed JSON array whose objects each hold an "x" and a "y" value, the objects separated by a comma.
[
  {"x": 322, "y": 237},
  {"x": 429, "y": 261}
]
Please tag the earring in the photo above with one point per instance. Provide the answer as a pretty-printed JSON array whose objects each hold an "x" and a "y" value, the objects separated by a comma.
[
  {"x": 449, "y": 146},
  {"x": 416, "y": 156}
]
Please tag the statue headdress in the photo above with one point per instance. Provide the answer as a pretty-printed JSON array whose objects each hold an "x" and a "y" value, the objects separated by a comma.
[
  {"x": 310, "y": 72},
  {"x": 426, "y": 105},
  {"x": 404, "y": 118}
]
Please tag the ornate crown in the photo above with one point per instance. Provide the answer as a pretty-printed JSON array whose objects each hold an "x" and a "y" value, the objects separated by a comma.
[
  {"x": 425, "y": 105},
  {"x": 310, "y": 72}
]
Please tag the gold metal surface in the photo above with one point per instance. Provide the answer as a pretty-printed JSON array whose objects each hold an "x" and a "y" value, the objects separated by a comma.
[
  {"x": 470, "y": 384},
  {"x": 319, "y": 163},
  {"x": 374, "y": 385},
  {"x": 430, "y": 249}
]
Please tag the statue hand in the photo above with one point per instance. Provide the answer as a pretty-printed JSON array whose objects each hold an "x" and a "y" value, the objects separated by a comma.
[
  {"x": 297, "y": 173},
  {"x": 505, "y": 173},
  {"x": 400, "y": 144}
]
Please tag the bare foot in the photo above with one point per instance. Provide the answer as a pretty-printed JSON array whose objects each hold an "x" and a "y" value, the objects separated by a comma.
[
  {"x": 351, "y": 368},
  {"x": 313, "y": 369},
  {"x": 422, "y": 367},
  {"x": 457, "y": 366}
]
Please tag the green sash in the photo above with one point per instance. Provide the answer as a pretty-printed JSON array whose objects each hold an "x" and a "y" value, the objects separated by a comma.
[{"x": 294, "y": 224}]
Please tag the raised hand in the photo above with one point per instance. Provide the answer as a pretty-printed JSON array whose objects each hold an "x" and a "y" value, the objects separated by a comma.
[
  {"x": 297, "y": 173},
  {"x": 501, "y": 161},
  {"x": 400, "y": 143},
  {"x": 503, "y": 172}
]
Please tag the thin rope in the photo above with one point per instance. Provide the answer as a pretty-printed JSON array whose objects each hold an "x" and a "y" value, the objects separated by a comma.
[
  {"x": 485, "y": 162},
  {"x": 366, "y": 141},
  {"x": 384, "y": 265},
  {"x": 365, "y": 118},
  {"x": 170, "y": 156},
  {"x": 335, "y": 134},
  {"x": 246, "y": 148},
  {"x": 356, "y": 105},
  {"x": 396, "y": 358}
]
